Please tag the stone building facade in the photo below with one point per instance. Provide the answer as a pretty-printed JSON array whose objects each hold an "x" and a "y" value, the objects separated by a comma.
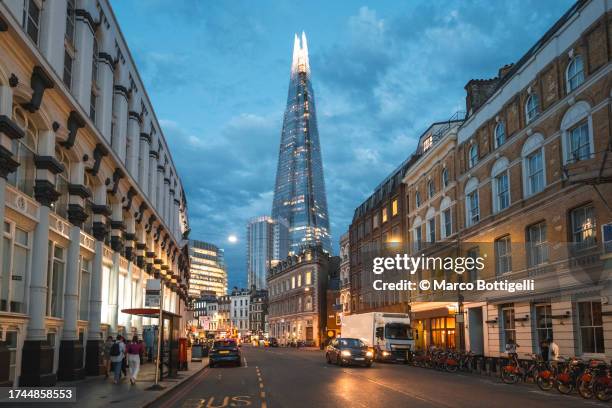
[
  {"x": 297, "y": 290},
  {"x": 529, "y": 187},
  {"x": 89, "y": 194}
]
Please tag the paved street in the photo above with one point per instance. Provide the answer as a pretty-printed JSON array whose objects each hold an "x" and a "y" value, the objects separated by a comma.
[{"x": 279, "y": 378}]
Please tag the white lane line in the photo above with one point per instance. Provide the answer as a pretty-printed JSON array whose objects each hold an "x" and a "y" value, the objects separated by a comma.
[{"x": 245, "y": 362}]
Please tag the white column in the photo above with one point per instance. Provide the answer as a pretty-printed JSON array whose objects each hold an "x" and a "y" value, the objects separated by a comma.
[
  {"x": 133, "y": 136},
  {"x": 38, "y": 277},
  {"x": 120, "y": 112},
  {"x": 159, "y": 202},
  {"x": 104, "y": 113},
  {"x": 113, "y": 304},
  {"x": 52, "y": 32},
  {"x": 153, "y": 155},
  {"x": 84, "y": 36},
  {"x": 143, "y": 168}
]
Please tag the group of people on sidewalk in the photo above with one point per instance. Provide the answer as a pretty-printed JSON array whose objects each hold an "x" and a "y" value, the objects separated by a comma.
[
  {"x": 549, "y": 351},
  {"x": 121, "y": 355}
]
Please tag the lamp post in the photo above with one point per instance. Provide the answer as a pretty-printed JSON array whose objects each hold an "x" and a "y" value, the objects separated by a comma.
[{"x": 157, "y": 386}]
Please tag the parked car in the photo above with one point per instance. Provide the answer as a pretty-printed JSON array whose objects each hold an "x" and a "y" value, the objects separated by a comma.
[
  {"x": 225, "y": 351},
  {"x": 273, "y": 342},
  {"x": 346, "y": 351}
]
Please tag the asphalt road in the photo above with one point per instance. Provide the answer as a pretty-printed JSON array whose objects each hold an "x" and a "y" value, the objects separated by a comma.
[{"x": 290, "y": 378}]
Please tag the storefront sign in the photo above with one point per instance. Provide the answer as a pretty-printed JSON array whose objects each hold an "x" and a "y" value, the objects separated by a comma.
[{"x": 152, "y": 297}]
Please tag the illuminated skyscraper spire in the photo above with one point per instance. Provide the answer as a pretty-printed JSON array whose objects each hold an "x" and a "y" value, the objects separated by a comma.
[{"x": 299, "y": 194}]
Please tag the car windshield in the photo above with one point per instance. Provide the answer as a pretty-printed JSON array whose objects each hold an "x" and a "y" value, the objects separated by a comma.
[
  {"x": 224, "y": 344},
  {"x": 398, "y": 331},
  {"x": 353, "y": 343}
]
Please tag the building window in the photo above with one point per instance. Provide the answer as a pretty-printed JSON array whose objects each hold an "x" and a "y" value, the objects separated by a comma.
[
  {"x": 31, "y": 19},
  {"x": 308, "y": 278},
  {"x": 299, "y": 280},
  {"x": 503, "y": 255},
  {"x": 543, "y": 323},
  {"x": 579, "y": 143},
  {"x": 431, "y": 188},
  {"x": 93, "y": 101},
  {"x": 502, "y": 191},
  {"x": 417, "y": 199},
  {"x": 443, "y": 332},
  {"x": 431, "y": 229},
  {"x": 445, "y": 178},
  {"x": 70, "y": 21},
  {"x": 55, "y": 280},
  {"x": 384, "y": 215},
  {"x": 427, "y": 143},
  {"x": 447, "y": 226},
  {"x": 575, "y": 73},
  {"x": 15, "y": 265},
  {"x": 583, "y": 226},
  {"x": 24, "y": 150},
  {"x": 67, "y": 69},
  {"x": 418, "y": 238},
  {"x": 473, "y": 253},
  {"x": 375, "y": 221},
  {"x": 293, "y": 282},
  {"x": 473, "y": 208},
  {"x": 535, "y": 172},
  {"x": 60, "y": 207},
  {"x": 591, "y": 327},
  {"x": 537, "y": 248},
  {"x": 500, "y": 134},
  {"x": 473, "y": 159},
  {"x": 509, "y": 328},
  {"x": 532, "y": 108},
  {"x": 394, "y": 207}
]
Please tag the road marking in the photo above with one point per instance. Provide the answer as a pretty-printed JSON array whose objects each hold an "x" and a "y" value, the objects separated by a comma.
[
  {"x": 183, "y": 391},
  {"x": 245, "y": 362}
]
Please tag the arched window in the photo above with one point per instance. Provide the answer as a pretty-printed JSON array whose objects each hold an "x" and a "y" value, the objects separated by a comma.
[
  {"x": 532, "y": 108},
  {"x": 445, "y": 178},
  {"x": 500, "y": 179},
  {"x": 500, "y": 134},
  {"x": 24, "y": 150},
  {"x": 575, "y": 73},
  {"x": 417, "y": 199},
  {"x": 446, "y": 221},
  {"x": 60, "y": 207},
  {"x": 473, "y": 159},
  {"x": 577, "y": 133},
  {"x": 534, "y": 175},
  {"x": 431, "y": 224},
  {"x": 431, "y": 188},
  {"x": 472, "y": 202}
]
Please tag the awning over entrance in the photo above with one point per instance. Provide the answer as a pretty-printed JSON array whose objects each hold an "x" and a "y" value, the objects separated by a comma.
[{"x": 148, "y": 312}]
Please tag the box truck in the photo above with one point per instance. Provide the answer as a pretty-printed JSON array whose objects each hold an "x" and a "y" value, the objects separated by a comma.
[{"x": 389, "y": 334}]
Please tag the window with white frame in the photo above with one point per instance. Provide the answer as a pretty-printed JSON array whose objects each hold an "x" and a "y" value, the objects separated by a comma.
[
  {"x": 308, "y": 278},
  {"x": 417, "y": 199},
  {"x": 537, "y": 246},
  {"x": 431, "y": 188},
  {"x": 583, "y": 226},
  {"x": 472, "y": 204},
  {"x": 24, "y": 149},
  {"x": 532, "y": 107},
  {"x": 445, "y": 178},
  {"x": 575, "y": 73},
  {"x": 473, "y": 155},
  {"x": 55, "y": 279},
  {"x": 503, "y": 255},
  {"x": 446, "y": 223},
  {"x": 15, "y": 266},
  {"x": 543, "y": 323},
  {"x": 591, "y": 327},
  {"x": 500, "y": 134},
  {"x": 431, "y": 229},
  {"x": 535, "y": 172},
  {"x": 31, "y": 19},
  {"x": 93, "y": 101},
  {"x": 62, "y": 179},
  {"x": 508, "y": 323},
  {"x": 10, "y": 341},
  {"x": 417, "y": 234}
]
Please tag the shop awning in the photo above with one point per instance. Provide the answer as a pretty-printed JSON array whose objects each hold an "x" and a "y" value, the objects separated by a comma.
[{"x": 148, "y": 312}]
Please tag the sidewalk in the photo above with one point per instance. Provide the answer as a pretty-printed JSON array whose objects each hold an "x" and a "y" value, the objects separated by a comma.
[{"x": 96, "y": 392}]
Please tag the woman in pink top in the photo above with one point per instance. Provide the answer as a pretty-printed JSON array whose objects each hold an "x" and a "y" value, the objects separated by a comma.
[{"x": 133, "y": 353}]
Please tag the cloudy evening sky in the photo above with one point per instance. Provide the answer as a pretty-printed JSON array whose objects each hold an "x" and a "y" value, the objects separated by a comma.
[{"x": 217, "y": 73}]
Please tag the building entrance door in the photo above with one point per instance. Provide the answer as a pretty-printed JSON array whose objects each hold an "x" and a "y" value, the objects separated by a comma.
[{"x": 475, "y": 330}]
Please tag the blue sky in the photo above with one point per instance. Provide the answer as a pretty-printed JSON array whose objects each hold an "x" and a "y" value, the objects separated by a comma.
[{"x": 217, "y": 73}]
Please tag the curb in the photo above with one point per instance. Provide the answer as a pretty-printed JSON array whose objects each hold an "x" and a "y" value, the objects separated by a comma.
[{"x": 175, "y": 387}]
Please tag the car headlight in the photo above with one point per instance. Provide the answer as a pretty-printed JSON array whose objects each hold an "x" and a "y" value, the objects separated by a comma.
[
  {"x": 369, "y": 354},
  {"x": 386, "y": 353},
  {"x": 345, "y": 353}
]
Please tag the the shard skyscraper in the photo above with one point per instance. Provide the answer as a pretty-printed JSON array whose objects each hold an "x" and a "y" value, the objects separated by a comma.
[{"x": 299, "y": 194}]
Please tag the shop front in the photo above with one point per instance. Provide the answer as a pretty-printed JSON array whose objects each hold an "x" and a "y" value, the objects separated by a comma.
[{"x": 435, "y": 327}]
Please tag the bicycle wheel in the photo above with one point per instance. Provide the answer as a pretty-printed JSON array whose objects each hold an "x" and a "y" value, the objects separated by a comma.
[
  {"x": 451, "y": 368},
  {"x": 545, "y": 384},
  {"x": 584, "y": 389},
  {"x": 602, "y": 391},
  {"x": 565, "y": 388},
  {"x": 509, "y": 377}
]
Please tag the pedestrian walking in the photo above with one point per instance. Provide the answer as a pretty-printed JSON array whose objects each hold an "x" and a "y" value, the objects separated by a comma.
[
  {"x": 134, "y": 350},
  {"x": 124, "y": 361},
  {"x": 117, "y": 354},
  {"x": 107, "y": 362}
]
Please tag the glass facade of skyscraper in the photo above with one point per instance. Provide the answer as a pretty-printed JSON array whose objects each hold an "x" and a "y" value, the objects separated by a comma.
[
  {"x": 267, "y": 244},
  {"x": 299, "y": 195},
  {"x": 207, "y": 270}
]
